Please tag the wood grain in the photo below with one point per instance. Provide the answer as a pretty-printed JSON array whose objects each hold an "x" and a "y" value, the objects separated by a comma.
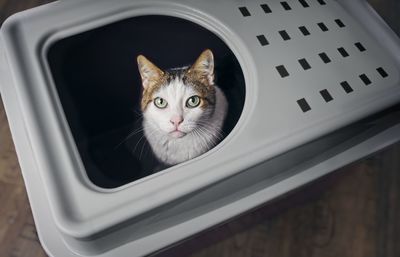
[{"x": 353, "y": 212}]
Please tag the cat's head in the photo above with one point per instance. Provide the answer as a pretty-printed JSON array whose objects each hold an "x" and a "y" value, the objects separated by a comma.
[{"x": 178, "y": 101}]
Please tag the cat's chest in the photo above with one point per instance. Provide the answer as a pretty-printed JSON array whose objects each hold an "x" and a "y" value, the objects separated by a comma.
[{"x": 182, "y": 148}]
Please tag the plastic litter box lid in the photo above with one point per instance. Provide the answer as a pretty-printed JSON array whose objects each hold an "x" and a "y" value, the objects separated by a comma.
[{"x": 311, "y": 66}]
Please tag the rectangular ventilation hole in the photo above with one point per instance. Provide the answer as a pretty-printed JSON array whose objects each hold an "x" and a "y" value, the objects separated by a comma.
[
  {"x": 382, "y": 72},
  {"x": 321, "y": 2},
  {"x": 340, "y": 23},
  {"x": 304, "y": 106},
  {"x": 326, "y": 95},
  {"x": 343, "y": 52},
  {"x": 360, "y": 46},
  {"x": 245, "y": 12},
  {"x": 365, "y": 79},
  {"x": 284, "y": 35},
  {"x": 266, "y": 8},
  {"x": 322, "y": 26},
  {"x": 304, "y": 30},
  {"x": 286, "y": 6},
  {"x": 282, "y": 71},
  {"x": 303, "y": 62},
  {"x": 304, "y": 3},
  {"x": 324, "y": 58},
  {"x": 263, "y": 41},
  {"x": 347, "y": 88}
]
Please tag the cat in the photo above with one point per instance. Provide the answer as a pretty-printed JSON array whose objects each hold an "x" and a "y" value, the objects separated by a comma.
[{"x": 183, "y": 110}]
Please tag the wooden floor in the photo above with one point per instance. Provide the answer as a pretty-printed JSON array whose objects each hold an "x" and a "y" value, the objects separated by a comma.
[{"x": 353, "y": 212}]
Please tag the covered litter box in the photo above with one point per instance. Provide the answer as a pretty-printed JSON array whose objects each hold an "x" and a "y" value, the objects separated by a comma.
[{"x": 312, "y": 85}]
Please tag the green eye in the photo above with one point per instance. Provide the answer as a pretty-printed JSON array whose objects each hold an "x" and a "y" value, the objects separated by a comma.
[
  {"x": 160, "y": 102},
  {"x": 193, "y": 102}
]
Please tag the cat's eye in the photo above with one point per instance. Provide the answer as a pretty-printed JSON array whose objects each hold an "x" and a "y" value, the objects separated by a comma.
[
  {"x": 160, "y": 102},
  {"x": 193, "y": 102}
]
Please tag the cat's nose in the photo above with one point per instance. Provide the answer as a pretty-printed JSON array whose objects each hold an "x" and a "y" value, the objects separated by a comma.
[{"x": 176, "y": 120}]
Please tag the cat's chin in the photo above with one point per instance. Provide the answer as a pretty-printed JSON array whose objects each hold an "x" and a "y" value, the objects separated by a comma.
[{"x": 177, "y": 134}]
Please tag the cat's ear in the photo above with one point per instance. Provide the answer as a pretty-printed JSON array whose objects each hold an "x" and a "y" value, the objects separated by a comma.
[
  {"x": 149, "y": 72},
  {"x": 204, "y": 66}
]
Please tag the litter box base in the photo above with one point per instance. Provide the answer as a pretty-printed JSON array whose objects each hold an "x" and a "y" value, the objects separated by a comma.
[{"x": 384, "y": 133}]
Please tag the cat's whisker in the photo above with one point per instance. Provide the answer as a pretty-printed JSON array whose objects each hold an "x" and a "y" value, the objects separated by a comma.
[
  {"x": 147, "y": 151},
  {"x": 212, "y": 131},
  {"x": 205, "y": 129},
  {"x": 202, "y": 142},
  {"x": 141, "y": 151},
  {"x": 131, "y": 134},
  {"x": 144, "y": 144},
  {"x": 137, "y": 143},
  {"x": 205, "y": 123},
  {"x": 138, "y": 113},
  {"x": 207, "y": 140},
  {"x": 218, "y": 134}
]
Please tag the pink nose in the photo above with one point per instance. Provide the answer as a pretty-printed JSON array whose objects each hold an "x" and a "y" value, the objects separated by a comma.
[{"x": 176, "y": 120}]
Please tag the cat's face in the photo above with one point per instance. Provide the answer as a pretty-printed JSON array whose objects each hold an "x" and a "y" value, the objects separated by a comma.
[{"x": 179, "y": 101}]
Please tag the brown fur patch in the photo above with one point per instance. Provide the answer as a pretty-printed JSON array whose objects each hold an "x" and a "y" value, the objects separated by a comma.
[
  {"x": 202, "y": 86},
  {"x": 147, "y": 96}
]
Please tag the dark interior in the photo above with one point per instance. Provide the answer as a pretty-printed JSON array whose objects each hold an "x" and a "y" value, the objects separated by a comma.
[{"x": 99, "y": 86}]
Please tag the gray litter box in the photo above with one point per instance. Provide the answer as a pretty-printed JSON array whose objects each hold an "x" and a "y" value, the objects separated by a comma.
[{"x": 322, "y": 89}]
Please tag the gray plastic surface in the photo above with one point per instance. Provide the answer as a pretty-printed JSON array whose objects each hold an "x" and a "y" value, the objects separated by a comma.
[{"x": 178, "y": 202}]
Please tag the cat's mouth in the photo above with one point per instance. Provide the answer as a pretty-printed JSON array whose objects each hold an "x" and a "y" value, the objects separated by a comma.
[{"x": 177, "y": 133}]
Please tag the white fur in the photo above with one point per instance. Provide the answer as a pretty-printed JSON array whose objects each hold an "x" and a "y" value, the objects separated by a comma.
[{"x": 202, "y": 127}]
